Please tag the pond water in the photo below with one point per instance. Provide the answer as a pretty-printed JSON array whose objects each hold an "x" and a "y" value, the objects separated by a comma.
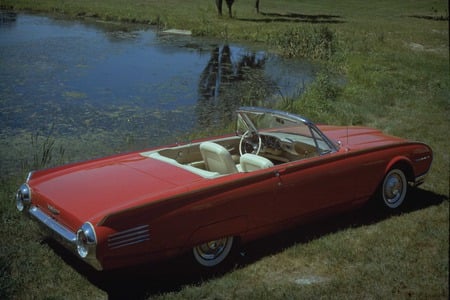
[{"x": 98, "y": 88}]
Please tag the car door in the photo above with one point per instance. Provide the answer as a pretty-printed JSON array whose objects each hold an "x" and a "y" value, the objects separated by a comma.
[{"x": 314, "y": 186}]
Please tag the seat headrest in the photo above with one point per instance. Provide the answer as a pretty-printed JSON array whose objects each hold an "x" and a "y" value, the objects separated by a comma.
[
  {"x": 217, "y": 158},
  {"x": 252, "y": 162}
]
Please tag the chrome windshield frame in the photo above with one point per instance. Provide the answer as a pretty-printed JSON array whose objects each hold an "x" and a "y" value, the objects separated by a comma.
[{"x": 243, "y": 111}]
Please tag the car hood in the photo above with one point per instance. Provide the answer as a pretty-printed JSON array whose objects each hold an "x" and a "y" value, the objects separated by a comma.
[
  {"x": 87, "y": 191},
  {"x": 359, "y": 137}
]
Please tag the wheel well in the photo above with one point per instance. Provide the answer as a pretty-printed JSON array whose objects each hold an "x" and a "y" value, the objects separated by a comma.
[
  {"x": 406, "y": 168},
  {"x": 230, "y": 227}
]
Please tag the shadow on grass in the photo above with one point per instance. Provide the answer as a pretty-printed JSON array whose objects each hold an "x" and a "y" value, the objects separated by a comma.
[
  {"x": 294, "y": 18},
  {"x": 431, "y": 18},
  {"x": 417, "y": 199},
  {"x": 152, "y": 279}
]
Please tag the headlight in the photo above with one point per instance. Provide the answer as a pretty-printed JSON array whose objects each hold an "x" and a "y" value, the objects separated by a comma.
[
  {"x": 86, "y": 239},
  {"x": 23, "y": 197}
]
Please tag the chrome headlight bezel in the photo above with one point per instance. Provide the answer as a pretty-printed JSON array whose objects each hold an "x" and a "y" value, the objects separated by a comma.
[
  {"x": 86, "y": 240},
  {"x": 23, "y": 197}
]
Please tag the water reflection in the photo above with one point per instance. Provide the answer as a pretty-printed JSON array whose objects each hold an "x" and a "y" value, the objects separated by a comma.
[
  {"x": 7, "y": 18},
  {"x": 118, "y": 88},
  {"x": 225, "y": 85}
]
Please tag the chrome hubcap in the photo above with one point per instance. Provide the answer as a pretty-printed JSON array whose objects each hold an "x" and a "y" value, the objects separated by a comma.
[
  {"x": 212, "y": 249},
  {"x": 393, "y": 188},
  {"x": 212, "y": 253}
]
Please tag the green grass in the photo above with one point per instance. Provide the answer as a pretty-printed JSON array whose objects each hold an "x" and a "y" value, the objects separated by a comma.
[
  {"x": 378, "y": 261},
  {"x": 395, "y": 60}
]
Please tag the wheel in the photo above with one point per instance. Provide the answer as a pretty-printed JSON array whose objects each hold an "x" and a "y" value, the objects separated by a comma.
[
  {"x": 393, "y": 189},
  {"x": 212, "y": 253},
  {"x": 250, "y": 143}
]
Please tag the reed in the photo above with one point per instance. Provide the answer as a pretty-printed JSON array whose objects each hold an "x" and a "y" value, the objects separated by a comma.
[{"x": 45, "y": 152}]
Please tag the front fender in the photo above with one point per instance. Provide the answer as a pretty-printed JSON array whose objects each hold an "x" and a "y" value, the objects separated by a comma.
[
  {"x": 397, "y": 160},
  {"x": 404, "y": 163}
]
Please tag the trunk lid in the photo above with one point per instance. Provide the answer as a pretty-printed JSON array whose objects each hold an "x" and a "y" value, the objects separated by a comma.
[{"x": 87, "y": 191}]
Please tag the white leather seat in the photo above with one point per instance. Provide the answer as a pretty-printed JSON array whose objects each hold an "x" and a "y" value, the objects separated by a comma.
[
  {"x": 217, "y": 158},
  {"x": 251, "y": 162}
]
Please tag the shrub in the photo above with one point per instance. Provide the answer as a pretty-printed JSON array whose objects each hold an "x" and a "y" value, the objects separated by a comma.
[
  {"x": 314, "y": 42},
  {"x": 319, "y": 100}
]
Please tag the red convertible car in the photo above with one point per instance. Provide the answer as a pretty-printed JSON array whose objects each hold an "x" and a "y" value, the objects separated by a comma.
[{"x": 278, "y": 170}]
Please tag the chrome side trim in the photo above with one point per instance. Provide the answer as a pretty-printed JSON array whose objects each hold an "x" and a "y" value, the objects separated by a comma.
[
  {"x": 30, "y": 174},
  {"x": 422, "y": 158},
  {"x": 129, "y": 237},
  {"x": 67, "y": 235}
]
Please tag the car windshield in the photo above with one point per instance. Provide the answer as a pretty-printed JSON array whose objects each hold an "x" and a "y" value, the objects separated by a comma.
[{"x": 284, "y": 126}]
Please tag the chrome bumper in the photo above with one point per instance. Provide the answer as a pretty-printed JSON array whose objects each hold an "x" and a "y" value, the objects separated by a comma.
[
  {"x": 62, "y": 234},
  {"x": 420, "y": 179},
  {"x": 67, "y": 237}
]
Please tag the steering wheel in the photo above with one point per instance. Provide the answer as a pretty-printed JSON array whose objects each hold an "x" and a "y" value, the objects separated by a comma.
[{"x": 250, "y": 143}]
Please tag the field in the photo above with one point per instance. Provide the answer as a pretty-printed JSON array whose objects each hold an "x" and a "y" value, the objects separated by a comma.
[{"x": 394, "y": 56}]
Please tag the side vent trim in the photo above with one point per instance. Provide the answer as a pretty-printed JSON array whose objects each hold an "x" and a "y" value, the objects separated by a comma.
[{"x": 129, "y": 237}]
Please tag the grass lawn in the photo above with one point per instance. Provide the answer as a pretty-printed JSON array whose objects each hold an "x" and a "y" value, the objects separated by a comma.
[{"x": 394, "y": 56}]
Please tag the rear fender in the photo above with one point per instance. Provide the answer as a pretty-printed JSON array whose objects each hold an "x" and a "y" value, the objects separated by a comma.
[{"x": 230, "y": 227}]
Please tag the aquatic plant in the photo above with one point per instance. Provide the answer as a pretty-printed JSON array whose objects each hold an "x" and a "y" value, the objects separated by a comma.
[{"x": 45, "y": 152}]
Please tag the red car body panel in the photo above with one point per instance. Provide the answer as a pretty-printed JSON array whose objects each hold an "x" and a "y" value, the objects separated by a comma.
[
  {"x": 181, "y": 209},
  {"x": 116, "y": 184}
]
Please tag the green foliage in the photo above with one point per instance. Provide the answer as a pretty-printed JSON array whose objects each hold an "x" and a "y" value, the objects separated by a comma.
[
  {"x": 45, "y": 152},
  {"x": 320, "y": 100},
  {"x": 310, "y": 41}
]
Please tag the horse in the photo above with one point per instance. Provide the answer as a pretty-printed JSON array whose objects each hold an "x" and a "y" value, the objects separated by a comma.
[{"x": 229, "y": 4}]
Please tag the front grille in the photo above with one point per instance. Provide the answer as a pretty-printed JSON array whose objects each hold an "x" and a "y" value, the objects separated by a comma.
[{"x": 129, "y": 237}]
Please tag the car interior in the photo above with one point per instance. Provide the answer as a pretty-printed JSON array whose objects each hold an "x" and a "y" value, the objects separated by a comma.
[{"x": 214, "y": 158}]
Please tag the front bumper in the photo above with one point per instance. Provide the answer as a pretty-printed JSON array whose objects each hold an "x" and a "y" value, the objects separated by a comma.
[
  {"x": 62, "y": 234},
  {"x": 420, "y": 179}
]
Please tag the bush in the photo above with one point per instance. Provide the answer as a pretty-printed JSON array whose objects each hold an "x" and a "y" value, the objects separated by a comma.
[
  {"x": 318, "y": 102},
  {"x": 314, "y": 42}
]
